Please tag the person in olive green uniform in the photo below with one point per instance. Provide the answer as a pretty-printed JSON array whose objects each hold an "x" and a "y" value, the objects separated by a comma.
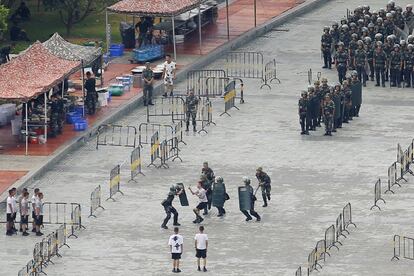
[
  {"x": 336, "y": 97},
  {"x": 303, "y": 110},
  {"x": 408, "y": 65},
  {"x": 348, "y": 101},
  {"x": 91, "y": 95},
  {"x": 380, "y": 64},
  {"x": 326, "y": 47},
  {"x": 328, "y": 114},
  {"x": 395, "y": 66},
  {"x": 341, "y": 61},
  {"x": 148, "y": 77},
  {"x": 360, "y": 61}
]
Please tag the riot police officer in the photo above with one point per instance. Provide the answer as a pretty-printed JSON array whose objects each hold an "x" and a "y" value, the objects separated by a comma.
[
  {"x": 360, "y": 61},
  {"x": 91, "y": 95},
  {"x": 264, "y": 183},
  {"x": 253, "y": 198},
  {"x": 341, "y": 61},
  {"x": 207, "y": 177},
  {"x": 408, "y": 65},
  {"x": 395, "y": 67},
  {"x": 347, "y": 101},
  {"x": 191, "y": 103},
  {"x": 356, "y": 94},
  {"x": 219, "y": 195},
  {"x": 370, "y": 57},
  {"x": 167, "y": 204},
  {"x": 326, "y": 44},
  {"x": 328, "y": 114},
  {"x": 336, "y": 98},
  {"x": 303, "y": 110},
  {"x": 380, "y": 64}
]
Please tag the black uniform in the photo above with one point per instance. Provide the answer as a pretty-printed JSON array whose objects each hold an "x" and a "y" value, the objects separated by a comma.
[
  {"x": 91, "y": 95},
  {"x": 252, "y": 211},
  {"x": 167, "y": 203},
  {"x": 54, "y": 117},
  {"x": 395, "y": 68},
  {"x": 207, "y": 183},
  {"x": 408, "y": 68},
  {"x": 303, "y": 111},
  {"x": 326, "y": 42},
  {"x": 342, "y": 60},
  {"x": 380, "y": 60},
  {"x": 191, "y": 103},
  {"x": 264, "y": 181},
  {"x": 370, "y": 59}
]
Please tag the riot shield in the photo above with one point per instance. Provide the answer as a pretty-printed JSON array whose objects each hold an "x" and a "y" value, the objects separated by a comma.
[
  {"x": 183, "y": 195},
  {"x": 356, "y": 93},
  {"x": 245, "y": 200},
  {"x": 218, "y": 195}
]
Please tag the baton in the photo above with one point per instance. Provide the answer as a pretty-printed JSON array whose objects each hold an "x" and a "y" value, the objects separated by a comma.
[{"x": 258, "y": 186}]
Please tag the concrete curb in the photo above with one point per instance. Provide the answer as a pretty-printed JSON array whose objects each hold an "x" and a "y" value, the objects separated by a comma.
[{"x": 136, "y": 101}]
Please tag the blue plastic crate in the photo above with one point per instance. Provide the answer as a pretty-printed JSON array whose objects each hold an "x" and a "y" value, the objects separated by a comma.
[
  {"x": 71, "y": 117},
  {"x": 116, "y": 50},
  {"x": 80, "y": 125}
]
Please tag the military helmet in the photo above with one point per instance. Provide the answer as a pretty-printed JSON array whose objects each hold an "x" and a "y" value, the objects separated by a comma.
[
  {"x": 374, "y": 12},
  {"x": 389, "y": 38},
  {"x": 379, "y": 44},
  {"x": 316, "y": 82},
  {"x": 379, "y": 20},
  {"x": 410, "y": 38},
  {"x": 410, "y": 46},
  {"x": 391, "y": 2},
  {"x": 341, "y": 43},
  {"x": 344, "y": 27},
  {"x": 360, "y": 43},
  {"x": 335, "y": 24},
  {"x": 364, "y": 29},
  {"x": 260, "y": 169},
  {"x": 173, "y": 189},
  {"x": 344, "y": 21},
  {"x": 381, "y": 10},
  {"x": 371, "y": 25},
  {"x": 352, "y": 25},
  {"x": 361, "y": 21},
  {"x": 310, "y": 89},
  {"x": 378, "y": 36},
  {"x": 326, "y": 28},
  {"x": 396, "y": 46},
  {"x": 388, "y": 14},
  {"x": 398, "y": 9},
  {"x": 403, "y": 43},
  {"x": 304, "y": 93},
  {"x": 367, "y": 40},
  {"x": 337, "y": 84},
  {"x": 393, "y": 13},
  {"x": 324, "y": 80},
  {"x": 219, "y": 179},
  {"x": 246, "y": 180},
  {"x": 409, "y": 7},
  {"x": 354, "y": 36},
  {"x": 354, "y": 73},
  {"x": 365, "y": 7}
]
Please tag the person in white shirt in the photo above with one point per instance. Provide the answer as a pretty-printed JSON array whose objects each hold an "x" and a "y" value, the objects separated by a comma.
[
  {"x": 202, "y": 201},
  {"x": 20, "y": 206},
  {"x": 24, "y": 212},
  {"x": 201, "y": 244},
  {"x": 176, "y": 247},
  {"x": 34, "y": 199},
  {"x": 10, "y": 211},
  {"x": 168, "y": 75},
  {"x": 39, "y": 214}
]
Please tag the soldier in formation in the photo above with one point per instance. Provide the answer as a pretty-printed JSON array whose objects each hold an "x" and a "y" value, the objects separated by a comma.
[
  {"x": 337, "y": 104},
  {"x": 377, "y": 44}
]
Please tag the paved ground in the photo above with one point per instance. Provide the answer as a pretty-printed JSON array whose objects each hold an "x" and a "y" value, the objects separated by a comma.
[{"x": 313, "y": 177}]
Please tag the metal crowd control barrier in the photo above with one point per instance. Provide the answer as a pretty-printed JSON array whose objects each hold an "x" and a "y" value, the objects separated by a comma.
[
  {"x": 196, "y": 79},
  {"x": 136, "y": 163},
  {"x": 146, "y": 130},
  {"x": 340, "y": 229},
  {"x": 377, "y": 194},
  {"x": 215, "y": 87},
  {"x": 229, "y": 98},
  {"x": 115, "y": 182},
  {"x": 321, "y": 251},
  {"x": 270, "y": 73},
  {"x": 247, "y": 65},
  {"x": 96, "y": 196},
  {"x": 312, "y": 264},
  {"x": 405, "y": 164},
  {"x": 167, "y": 107},
  {"x": 178, "y": 131},
  {"x": 204, "y": 114},
  {"x": 155, "y": 149},
  {"x": 171, "y": 150},
  {"x": 392, "y": 177},
  {"x": 399, "y": 152},
  {"x": 30, "y": 269},
  {"x": 299, "y": 272},
  {"x": 310, "y": 76},
  {"x": 116, "y": 135},
  {"x": 408, "y": 248},
  {"x": 331, "y": 238},
  {"x": 76, "y": 220},
  {"x": 347, "y": 216}
]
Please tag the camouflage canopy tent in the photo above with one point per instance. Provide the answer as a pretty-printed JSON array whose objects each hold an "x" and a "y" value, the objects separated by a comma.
[
  {"x": 34, "y": 72},
  {"x": 155, "y": 8}
]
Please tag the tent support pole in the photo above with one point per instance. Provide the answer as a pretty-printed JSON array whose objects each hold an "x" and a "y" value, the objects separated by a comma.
[
  {"x": 83, "y": 88},
  {"x": 63, "y": 87},
  {"x": 27, "y": 129},
  {"x": 175, "y": 49},
  {"x": 45, "y": 98},
  {"x": 227, "y": 18},
  {"x": 199, "y": 26},
  {"x": 255, "y": 13},
  {"x": 106, "y": 31}
]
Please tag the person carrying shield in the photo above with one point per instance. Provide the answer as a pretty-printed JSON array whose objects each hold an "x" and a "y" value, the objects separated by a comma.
[
  {"x": 250, "y": 198},
  {"x": 219, "y": 195},
  {"x": 167, "y": 203}
]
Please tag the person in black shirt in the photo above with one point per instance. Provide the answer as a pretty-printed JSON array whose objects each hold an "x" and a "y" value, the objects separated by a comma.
[
  {"x": 91, "y": 94},
  {"x": 208, "y": 174},
  {"x": 5, "y": 53},
  {"x": 167, "y": 203},
  {"x": 142, "y": 28}
]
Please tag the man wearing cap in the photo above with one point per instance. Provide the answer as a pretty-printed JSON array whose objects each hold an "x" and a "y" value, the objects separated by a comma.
[
  {"x": 264, "y": 183},
  {"x": 148, "y": 77}
]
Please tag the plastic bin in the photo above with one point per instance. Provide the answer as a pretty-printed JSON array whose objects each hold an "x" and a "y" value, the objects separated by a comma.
[
  {"x": 116, "y": 50},
  {"x": 80, "y": 125},
  {"x": 78, "y": 109},
  {"x": 116, "y": 90},
  {"x": 71, "y": 117}
]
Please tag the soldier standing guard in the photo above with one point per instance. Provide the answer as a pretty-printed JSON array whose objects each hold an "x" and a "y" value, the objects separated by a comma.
[
  {"x": 380, "y": 64},
  {"x": 167, "y": 204},
  {"x": 356, "y": 89},
  {"x": 191, "y": 103},
  {"x": 360, "y": 60},
  {"x": 341, "y": 61},
  {"x": 370, "y": 57},
  {"x": 328, "y": 114},
  {"x": 408, "y": 65},
  {"x": 395, "y": 67},
  {"x": 326, "y": 48},
  {"x": 252, "y": 199},
  {"x": 347, "y": 101},
  {"x": 264, "y": 183},
  {"x": 303, "y": 110},
  {"x": 148, "y": 77}
]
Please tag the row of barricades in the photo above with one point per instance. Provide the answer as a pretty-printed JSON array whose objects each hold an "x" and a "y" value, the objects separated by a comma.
[
  {"x": 396, "y": 173},
  {"x": 44, "y": 251},
  {"x": 332, "y": 239}
]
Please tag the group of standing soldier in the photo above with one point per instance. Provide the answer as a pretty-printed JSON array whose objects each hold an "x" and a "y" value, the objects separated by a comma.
[
  {"x": 373, "y": 43},
  {"x": 211, "y": 191},
  {"x": 334, "y": 105}
]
